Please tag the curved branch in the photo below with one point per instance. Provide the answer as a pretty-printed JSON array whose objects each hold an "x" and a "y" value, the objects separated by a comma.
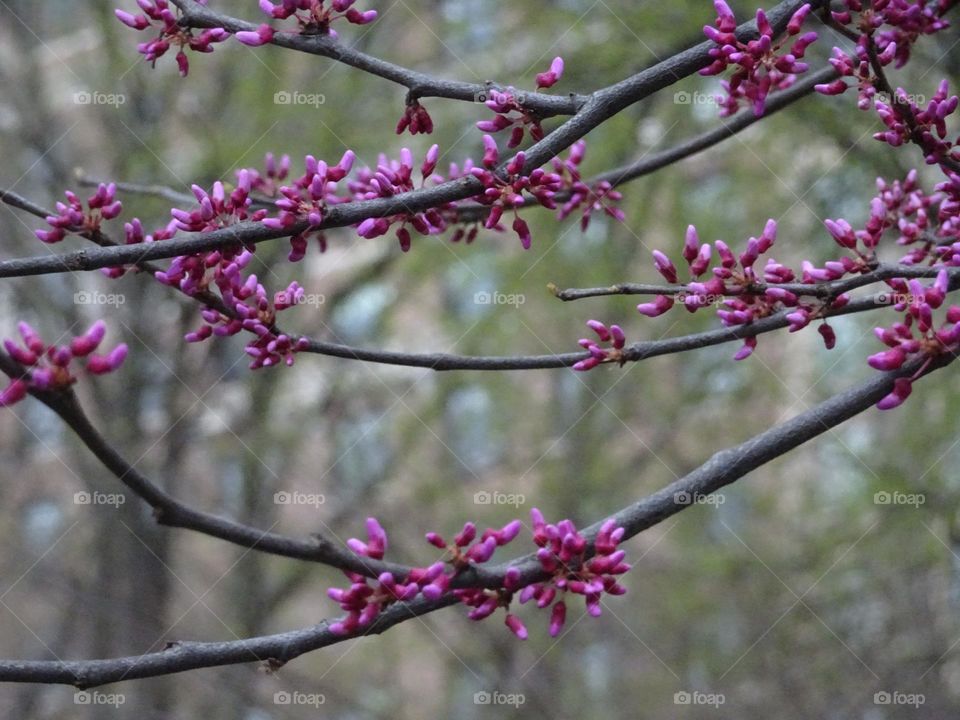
[
  {"x": 636, "y": 352},
  {"x": 884, "y": 271},
  {"x": 601, "y": 106},
  {"x": 616, "y": 176},
  {"x": 719, "y": 470},
  {"x": 420, "y": 85},
  {"x": 173, "y": 513}
]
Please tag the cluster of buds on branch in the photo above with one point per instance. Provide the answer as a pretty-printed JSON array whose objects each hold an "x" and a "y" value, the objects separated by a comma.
[
  {"x": 595, "y": 197},
  {"x": 510, "y": 111},
  {"x": 761, "y": 67},
  {"x": 565, "y": 556},
  {"x": 613, "y": 335},
  {"x": 71, "y": 218},
  {"x": 507, "y": 194},
  {"x": 48, "y": 367},
  {"x": 171, "y": 33}
]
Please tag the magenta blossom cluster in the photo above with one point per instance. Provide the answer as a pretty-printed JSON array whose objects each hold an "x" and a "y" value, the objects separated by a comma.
[
  {"x": 886, "y": 33},
  {"x": 390, "y": 178},
  {"x": 927, "y": 224},
  {"x": 307, "y": 199},
  {"x": 361, "y": 601},
  {"x": 468, "y": 549},
  {"x": 416, "y": 119},
  {"x": 364, "y": 601},
  {"x": 613, "y": 335},
  {"x": 566, "y": 558},
  {"x": 564, "y": 555},
  {"x": 591, "y": 198},
  {"x": 762, "y": 66},
  {"x": 313, "y": 18},
  {"x": 510, "y": 111},
  {"x": 905, "y": 120},
  {"x": 890, "y": 27},
  {"x": 916, "y": 336},
  {"x": 217, "y": 209},
  {"x": 254, "y": 311},
  {"x": 507, "y": 194},
  {"x": 71, "y": 217},
  {"x": 742, "y": 293},
  {"x": 157, "y": 13},
  {"x": 49, "y": 366}
]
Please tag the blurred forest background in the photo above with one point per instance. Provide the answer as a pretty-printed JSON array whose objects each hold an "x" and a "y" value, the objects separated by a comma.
[{"x": 800, "y": 595}]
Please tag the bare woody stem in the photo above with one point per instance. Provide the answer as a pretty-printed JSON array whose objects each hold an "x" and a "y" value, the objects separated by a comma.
[
  {"x": 721, "y": 469},
  {"x": 601, "y": 106},
  {"x": 615, "y": 176},
  {"x": 636, "y": 352},
  {"x": 885, "y": 271}
]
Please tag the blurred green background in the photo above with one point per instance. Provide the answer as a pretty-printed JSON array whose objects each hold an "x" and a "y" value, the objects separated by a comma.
[{"x": 798, "y": 595}]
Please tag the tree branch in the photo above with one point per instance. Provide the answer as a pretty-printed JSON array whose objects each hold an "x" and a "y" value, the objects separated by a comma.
[
  {"x": 885, "y": 271},
  {"x": 420, "y": 85},
  {"x": 720, "y": 470},
  {"x": 601, "y": 106}
]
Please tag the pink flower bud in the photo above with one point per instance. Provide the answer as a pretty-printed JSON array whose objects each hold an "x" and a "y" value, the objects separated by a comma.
[
  {"x": 891, "y": 359},
  {"x": 664, "y": 266},
  {"x": 549, "y": 78},
  {"x": 101, "y": 364},
  {"x": 659, "y": 306},
  {"x": 902, "y": 387},
  {"x": 262, "y": 36},
  {"x": 558, "y": 616},
  {"x": 516, "y": 627},
  {"x": 85, "y": 344},
  {"x": 15, "y": 391}
]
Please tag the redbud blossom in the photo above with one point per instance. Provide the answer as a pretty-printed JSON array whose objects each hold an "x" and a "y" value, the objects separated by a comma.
[
  {"x": 171, "y": 33},
  {"x": 761, "y": 68},
  {"x": 71, "y": 217},
  {"x": 315, "y": 16},
  {"x": 510, "y": 112},
  {"x": 549, "y": 78},
  {"x": 49, "y": 365},
  {"x": 613, "y": 335}
]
